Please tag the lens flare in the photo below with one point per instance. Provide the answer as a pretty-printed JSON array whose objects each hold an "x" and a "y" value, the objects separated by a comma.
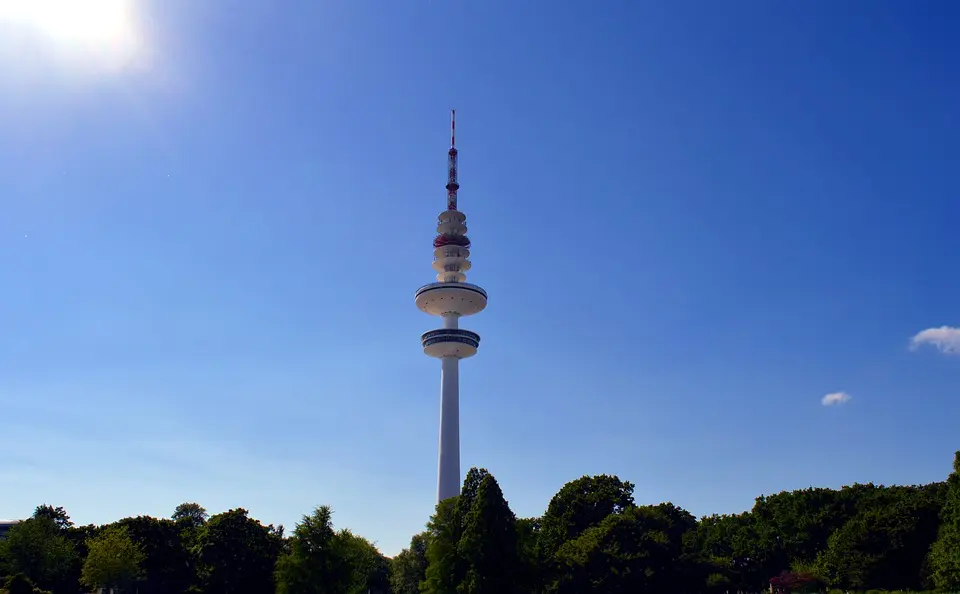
[{"x": 104, "y": 31}]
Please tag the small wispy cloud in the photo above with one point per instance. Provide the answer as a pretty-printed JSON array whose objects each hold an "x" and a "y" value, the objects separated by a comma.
[
  {"x": 945, "y": 338},
  {"x": 835, "y": 398}
]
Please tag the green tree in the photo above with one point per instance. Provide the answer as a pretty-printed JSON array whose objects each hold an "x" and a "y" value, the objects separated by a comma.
[
  {"x": 192, "y": 513},
  {"x": 800, "y": 522},
  {"x": 20, "y": 584},
  {"x": 77, "y": 536},
  {"x": 884, "y": 547},
  {"x": 38, "y": 549},
  {"x": 446, "y": 568},
  {"x": 579, "y": 505},
  {"x": 113, "y": 560},
  {"x": 605, "y": 558},
  {"x": 57, "y": 514},
  {"x": 469, "y": 491},
  {"x": 167, "y": 563},
  {"x": 636, "y": 550},
  {"x": 945, "y": 552},
  {"x": 236, "y": 554},
  {"x": 443, "y": 563},
  {"x": 367, "y": 570},
  {"x": 717, "y": 583},
  {"x": 530, "y": 576},
  {"x": 313, "y": 564},
  {"x": 69, "y": 580},
  {"x": 409, "y": 568},
  {"x": 728, "y": 546},
  {"x": 488, "y": 546}
]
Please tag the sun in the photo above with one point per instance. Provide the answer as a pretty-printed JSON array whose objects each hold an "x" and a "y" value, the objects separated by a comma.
[{"x": 91, "y": 28}]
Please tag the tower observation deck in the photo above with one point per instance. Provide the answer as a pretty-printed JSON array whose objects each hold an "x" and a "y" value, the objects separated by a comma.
[{"x": 450, "y": 298}]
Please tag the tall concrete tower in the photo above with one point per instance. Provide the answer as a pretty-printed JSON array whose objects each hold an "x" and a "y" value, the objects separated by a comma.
[{"x": 450, "y": 298}]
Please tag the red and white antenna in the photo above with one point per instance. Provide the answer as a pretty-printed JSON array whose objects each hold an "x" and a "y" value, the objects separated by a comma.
[{"x": 452, "y": 184}]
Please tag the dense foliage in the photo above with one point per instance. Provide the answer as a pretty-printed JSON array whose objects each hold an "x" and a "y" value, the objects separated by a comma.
[{"x": 593, "y": 538}]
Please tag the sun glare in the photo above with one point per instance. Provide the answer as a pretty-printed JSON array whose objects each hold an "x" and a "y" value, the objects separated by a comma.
[{"x": 101, "y": 29}]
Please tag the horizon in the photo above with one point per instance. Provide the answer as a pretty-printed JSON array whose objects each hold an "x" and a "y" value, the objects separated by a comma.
[{"x": 710, "y": 236}]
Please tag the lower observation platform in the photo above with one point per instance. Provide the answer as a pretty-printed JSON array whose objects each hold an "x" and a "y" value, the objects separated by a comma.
[
  {"x": 438, "y": 299},
  {"x": 450, "y": 342}
]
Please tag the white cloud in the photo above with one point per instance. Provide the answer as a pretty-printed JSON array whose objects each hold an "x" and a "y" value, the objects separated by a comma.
[
  {"x": 945, "y": 338},
  {"x": 835, "y": 398}
]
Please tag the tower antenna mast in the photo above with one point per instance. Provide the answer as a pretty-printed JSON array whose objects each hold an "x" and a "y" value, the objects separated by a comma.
[{"x": 452, "y": 184}]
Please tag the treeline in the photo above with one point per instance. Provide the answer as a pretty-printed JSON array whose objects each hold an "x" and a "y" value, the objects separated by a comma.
[
  {"x": 592, "y": 538},
  {"x": 190, "y": 552}
]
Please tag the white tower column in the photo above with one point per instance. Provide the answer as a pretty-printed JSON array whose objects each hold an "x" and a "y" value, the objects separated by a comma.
[{"x": 448, "y": 471}]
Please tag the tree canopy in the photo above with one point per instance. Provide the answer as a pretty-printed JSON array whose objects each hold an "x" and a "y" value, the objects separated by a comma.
[
  {"x": 592, "y": 538},
  {"x": 945, "y": 552},
  {"x": 192, "y": 513},
  {"x": 38, "y": 549},
  {"x": 236, "y": 554},
  {"x": 114, "y": 560}
]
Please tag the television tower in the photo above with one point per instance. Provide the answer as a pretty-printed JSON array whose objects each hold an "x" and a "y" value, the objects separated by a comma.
[{"x": 450, "y": 298}]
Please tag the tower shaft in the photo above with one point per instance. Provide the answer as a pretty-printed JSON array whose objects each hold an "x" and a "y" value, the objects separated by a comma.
[{"x": 448, "y": 464}]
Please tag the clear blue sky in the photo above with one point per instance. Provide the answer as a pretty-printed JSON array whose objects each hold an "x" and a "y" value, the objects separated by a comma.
[{"x": 694, "y": 220}]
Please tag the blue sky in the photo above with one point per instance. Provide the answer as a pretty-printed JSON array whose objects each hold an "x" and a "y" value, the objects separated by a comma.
[{"x": 694, "y": 221}]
